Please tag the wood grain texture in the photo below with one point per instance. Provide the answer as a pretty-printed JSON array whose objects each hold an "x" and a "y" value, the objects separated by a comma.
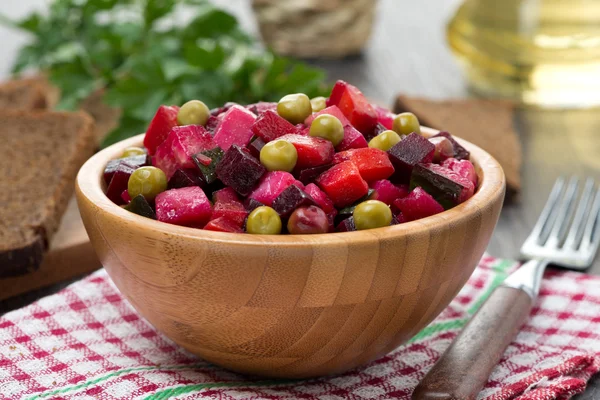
[
  {"x": 290, "y": 306},
  {"x": 465, "y": 367}
]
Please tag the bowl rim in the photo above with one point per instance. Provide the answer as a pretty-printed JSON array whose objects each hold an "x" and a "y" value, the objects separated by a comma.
[{"x": 491, "y": 187}]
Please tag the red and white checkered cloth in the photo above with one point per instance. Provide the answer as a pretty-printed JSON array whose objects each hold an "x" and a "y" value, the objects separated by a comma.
[{"x": 87, "y": 342}]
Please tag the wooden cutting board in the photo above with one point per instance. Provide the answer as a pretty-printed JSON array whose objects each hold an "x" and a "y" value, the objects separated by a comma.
[{"x": 70, "y": 255}]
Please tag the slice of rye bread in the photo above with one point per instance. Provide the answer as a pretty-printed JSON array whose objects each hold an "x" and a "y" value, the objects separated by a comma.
[
  {"x": 34, "y": 93},
  {"x": 485, "y": 123},
  {"x": 40, "y": 155}
]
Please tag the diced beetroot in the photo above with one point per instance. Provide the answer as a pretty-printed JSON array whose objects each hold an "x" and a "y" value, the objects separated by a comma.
[
  {"x": 346, "y": 225},
  {"x": 373, "y": 164},
  {"x": 185, "y": 178},
  {"x": 160, "y": 126},
  {"x": 332, "y": 110},
  {"x": 460, "y": 152},
  {"x": 186, "y": 206},
  {"x": 177, "y": 150},
  {"x": 308, "y": 175},
  {"x": 343, "y": 184},
  {"x": 212, "y": 123},
  {"x": 446, "y": 186},
  {"x": 385, "y": 117},
  {"x": 239, "y": 170},
  {"x": 290, "y": 199},
  {"x": 320, "y": 198},
  {"x": 407, "y": 153},
  {"x": 233, "y": 210},
  {"x": 399, "y": 219},
  {"x": 418, "y": 204},
  {"x": 387, "y": 192},
  {"x": 221, "y": 110},
  {"x": 353, "y": 139},
  {"x": 271, "y": 185},
  {"x": 118, "y": 183},
  {"x": 125, "y": 196},
  {"x": 234, "y": 128},
  {"x": 304, "y": 131},
  {"x": 354, "y": 106},
  {"x": 134, "y": 162},
  {"x": 462, "y": 167},
  {"x": 225, "y": 195},
  {"x": 252, "y": 204},
  {"x": 269, "y": 126},
  {"x": 223, "y": 224},
  {"x": 261, "y": 107},
  {"x": 443, "y": 149},
  {"x": 312, "y": 151},
  {"x": 256, "y": 146}
]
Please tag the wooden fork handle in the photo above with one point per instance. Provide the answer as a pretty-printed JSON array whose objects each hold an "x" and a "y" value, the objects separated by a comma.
[{"x": 464, "y": 368}]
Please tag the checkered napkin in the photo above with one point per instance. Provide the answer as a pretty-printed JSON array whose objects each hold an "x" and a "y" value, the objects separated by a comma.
[{"x": 87, "y": 342}]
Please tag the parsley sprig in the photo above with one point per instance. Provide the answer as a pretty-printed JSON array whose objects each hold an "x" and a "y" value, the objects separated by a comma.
[{"x": 151, "y": 52}]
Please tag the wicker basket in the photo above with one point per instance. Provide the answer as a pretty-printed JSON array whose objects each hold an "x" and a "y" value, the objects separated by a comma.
[{"x": 315, "y": 28}]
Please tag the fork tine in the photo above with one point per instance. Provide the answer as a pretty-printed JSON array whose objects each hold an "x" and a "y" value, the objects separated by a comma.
[
  {"x": 576, "y": 232},
  {"x": 591, "y": 239},
  {"x": 563, "y": 214},
  {"x": 547, "y": 212}
]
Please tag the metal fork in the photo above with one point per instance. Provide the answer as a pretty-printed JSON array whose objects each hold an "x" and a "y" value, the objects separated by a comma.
[{"x": 566, "y": 234}]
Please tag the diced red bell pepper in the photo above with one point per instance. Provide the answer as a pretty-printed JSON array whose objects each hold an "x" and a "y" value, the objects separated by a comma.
[
  {"x": 187, "y": 206},
  {"x": 160, "y": 126},
  {"x": 177, "y": 150},
  {"x": 418, "y": 204},
  {"x": 373, "y": 164},
  {"x": 387, "y": 192},
  {"x": 354, "y": 106},
  {"x": 269, "y": 126},
  {"x": 343, "y": 184},
  {"x": 234, "y": 128},
  {"x": 223, "y": 224},
  {"x": 353, "y": 139},
  {"x": 312, "y": 151},
  {"x": 332, "y": 110}
]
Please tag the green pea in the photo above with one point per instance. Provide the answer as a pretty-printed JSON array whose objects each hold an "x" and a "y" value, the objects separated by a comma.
[
  {"x": 263, "y": 221},
  {"x": 372, "y": 214},
  {"x": 279, "y": 155},
  {"x": 385, "y": 140},
  {"x": 406, "y": 123},
  {"x": 294, "y": 107},
  {"x": 327, "y": 127},
  {"x": 133, "y": 151},
  {"x": 147, "y": 181},
  {"x": 194, "y": 112},
  {"x": 318, "y": 103}
]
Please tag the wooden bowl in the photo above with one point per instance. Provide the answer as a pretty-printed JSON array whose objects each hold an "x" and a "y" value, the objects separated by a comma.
[{"x": 290, "y": 306}]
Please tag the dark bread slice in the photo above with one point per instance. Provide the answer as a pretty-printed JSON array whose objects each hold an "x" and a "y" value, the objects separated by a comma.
[
  {"x": 40, "y": 155},
  {"x": 485, "y": 123},
  {"x": 22, "y": 95}
]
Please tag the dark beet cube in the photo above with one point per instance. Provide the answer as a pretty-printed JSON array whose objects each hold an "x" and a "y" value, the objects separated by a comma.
[
  {"x": 308, "y": 175},
  {"x": 118, "y": 183},
  {"x": 261, "y": 107},
  {"x": 346, "y": 225},
  {"x": 134, "y": 161},
  {"x": 140, "y": 206},
  {"x": 407, "y": 153},
  {"x": 446, "y": 186},
  {"x": 460, "y": 153},
  {"x": 256, "y": 146},
  {"x": 239, "y": 170},
  {"x": 252, "y": 204},
  {"x": 290, "y": 199},
  {"x": 185, "y": 178},
  {"x": 207, "y": 162},
  {"x": 211, "y": 124},
  {"x": 269, "y": 126}
]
